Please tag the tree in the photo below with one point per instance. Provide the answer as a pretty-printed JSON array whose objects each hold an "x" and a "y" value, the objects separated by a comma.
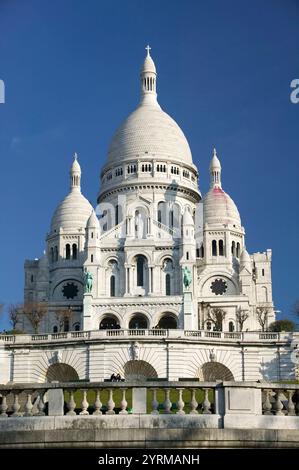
[
  {"x": 14, "y": 312},
  {"x": 262, "y": 313},
  {"x": 241, "y": 317},
  {"x": 282, "y": 325},
  {"x": 216, "y": 316},
  {"x": 35, "y": 312},
  {"x": 64, "y": 316}
]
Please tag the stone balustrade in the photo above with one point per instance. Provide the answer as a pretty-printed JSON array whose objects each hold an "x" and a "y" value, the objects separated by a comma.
[
  {"x": 154, "y": 398},
  {"x": 197, "y": 335}
]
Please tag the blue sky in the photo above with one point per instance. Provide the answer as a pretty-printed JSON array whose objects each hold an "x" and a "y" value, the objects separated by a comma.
[{"x": 71, "y": 71}]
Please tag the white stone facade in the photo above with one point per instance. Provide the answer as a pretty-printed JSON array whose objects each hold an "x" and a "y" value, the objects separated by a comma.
[{"x": 150, "y": 225}]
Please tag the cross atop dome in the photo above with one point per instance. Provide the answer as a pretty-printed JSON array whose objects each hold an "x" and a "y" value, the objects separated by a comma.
[{"x": 148, "y": 48}]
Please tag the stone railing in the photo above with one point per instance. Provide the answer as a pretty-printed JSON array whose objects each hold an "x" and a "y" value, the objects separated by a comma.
[
  {"x": 70, "y": 399},
  {"x": 194, "y": 335},
  {"x": 110, "y": 398}
]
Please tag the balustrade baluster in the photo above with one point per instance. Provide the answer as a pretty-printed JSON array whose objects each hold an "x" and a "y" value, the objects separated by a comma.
[
  {"x": 206, "y": 403},
  {"x": 41, "y": 404},
  {"x": 110, "y": 404},
  {"x": 267, "y": 407},
  {"x": 193, "y": 403},
  {"x": 16, "y": 405},
  {"x": 71, "y": 404},
  {"x": 85, "y": 403},
  {"x": 28, "y": 405},
  {"x": 167, "y": 403},
  {"x": 290, "y": 406},
  {"x": 180, "y": 402},
  {"x": 3, "y": 406},
  {"x": 155, "y": 403},
  {"x": 123, "y": 403},
  {"x": 278, "y": 406},
  {"x": 98, "y": 403}
]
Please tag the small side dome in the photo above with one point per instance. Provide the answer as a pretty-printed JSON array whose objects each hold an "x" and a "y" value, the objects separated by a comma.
[
  {"x": 187, "y": 218},
  {"x": 219, "y": 208},
  {"x": 72, "y": 213},
  {"x": 245, "y": 260},
  {"x": 93, "y": 221}
]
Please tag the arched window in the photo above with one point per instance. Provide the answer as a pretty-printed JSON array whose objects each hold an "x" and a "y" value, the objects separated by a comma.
[
  {"x": 91, "y": 258},
  {"x": 112, "y": 286},
  {"x": 159, "y": 215},
  {"x": 109, "y": 323},
  {"x": 233, "y": 248},
  {"x": 32, "y": 278},
  {"x": 138, "y": 321},
  {"x": 214, "y": 248},
  {"x": 221, "y": 248},
  {"x": 74, "y": 248},
  {"x": 52, "y": 254},
  {"x": 140, "y": 271},
  {"x": 116, "y": 214},
  {"x": 167, "y": 322},
  {"x": 55, "y": 329},
  {"x": 171, "y": 218},
  {"x": 231, "y": 326},
  {"x": 167, "y": 284},
  {"x": 56, "y": 253},
  {"x": 208, "y": 325},
  {"x": 66, "y": 325},
  {"x": 238, "y": 250},
  {"x": 68, "y": 251},
  {"x": 187, "y": 255},
  {"x": 77, "y": 327},
  {"x": 263, "y": 272}
]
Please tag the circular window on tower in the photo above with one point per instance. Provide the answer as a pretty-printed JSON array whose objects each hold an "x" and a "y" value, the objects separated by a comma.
[
  {"x": 70, "y": 290},
  {"x": 218, "y": 287}
]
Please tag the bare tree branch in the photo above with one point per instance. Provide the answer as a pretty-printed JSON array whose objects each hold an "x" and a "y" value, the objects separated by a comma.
[
  {"x": 216, "y": 316},
  {"x": 262, "y": 313},
  {"x": 241, "y": 317},
  {"x": 35, "y": 312},
  {"x": 14, "y": 313},
  {"x": 62, "y": 316}
]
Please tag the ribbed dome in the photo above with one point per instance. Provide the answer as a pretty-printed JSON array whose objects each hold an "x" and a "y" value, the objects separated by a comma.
[
  {"x": 219, "y": 208},
  {"x": 146, "y": 132},
  {"x": 93, "y": 221},
  {"x": 72, "y": 213}
]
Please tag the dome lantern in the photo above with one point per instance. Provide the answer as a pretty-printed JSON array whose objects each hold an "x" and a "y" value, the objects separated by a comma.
[
  {"x": 148, "y": 80},
  {"x": 75, "y": 174},
  {"x": 215, "y": 171}
]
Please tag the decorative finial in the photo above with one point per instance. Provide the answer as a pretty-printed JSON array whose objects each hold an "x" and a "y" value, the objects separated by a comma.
[
  {"x": 75, "y": 156},
  {"x": 214, "y": 152},
  {"x": 148, "y": 48}
]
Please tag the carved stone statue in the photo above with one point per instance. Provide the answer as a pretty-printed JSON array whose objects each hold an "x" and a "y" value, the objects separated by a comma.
[
  {"x": 187, "y": 277},
  {"x": 88, "y": 278},
  {"x": 134, "y": 350},
  {"x": 139, "y": 225}
]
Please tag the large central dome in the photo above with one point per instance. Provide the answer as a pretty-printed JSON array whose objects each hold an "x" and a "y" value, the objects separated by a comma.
[{"x": 149, "y": 132}]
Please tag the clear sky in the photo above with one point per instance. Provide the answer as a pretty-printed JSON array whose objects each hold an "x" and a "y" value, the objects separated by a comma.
[{"x": 71, "y": 71}]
